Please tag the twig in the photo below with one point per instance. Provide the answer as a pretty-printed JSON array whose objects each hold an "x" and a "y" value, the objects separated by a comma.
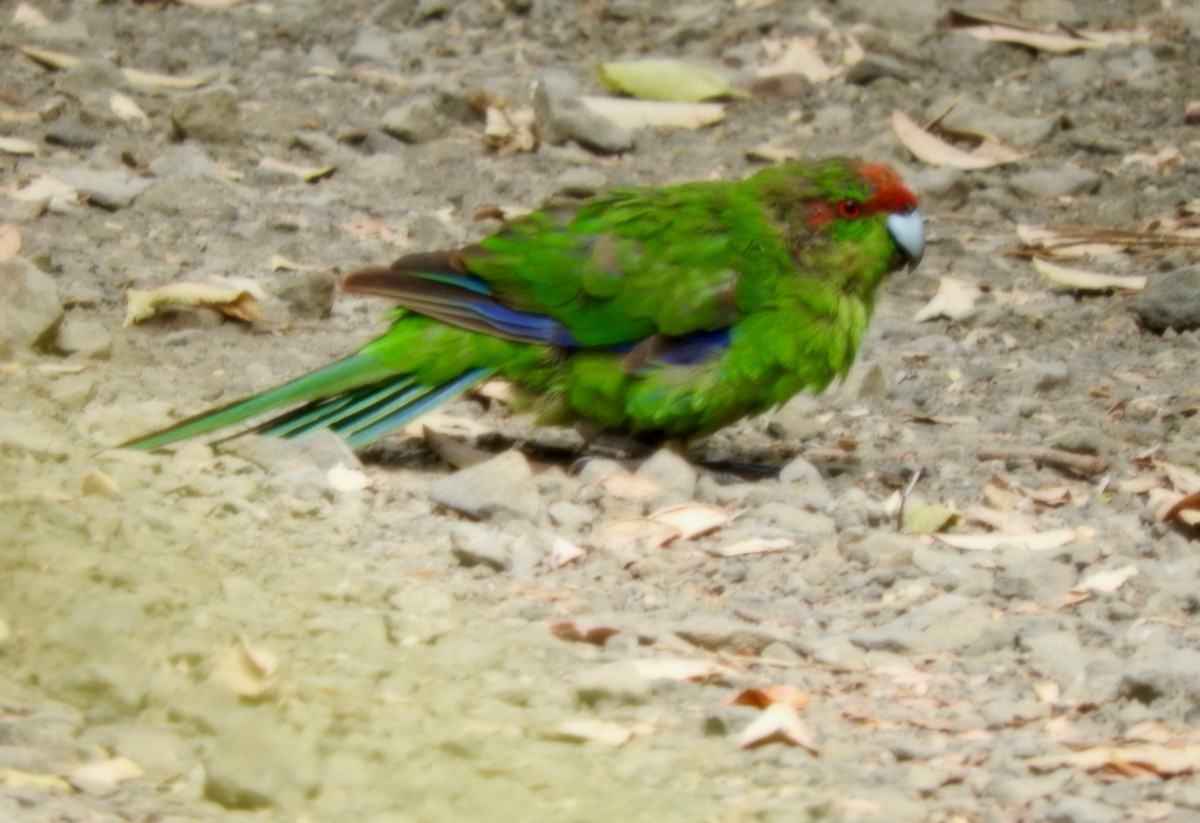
[
  {"x": 1079, "y": 463},
  {"x": 912, "y": 483}
]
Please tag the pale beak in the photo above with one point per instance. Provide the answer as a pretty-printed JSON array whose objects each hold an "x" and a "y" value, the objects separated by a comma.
[{"x": 908, "y": 233}]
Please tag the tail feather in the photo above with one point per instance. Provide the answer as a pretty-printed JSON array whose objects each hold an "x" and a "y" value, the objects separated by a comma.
[
  {"x": 359, "y": 397},
  {"x": 377, "y": 425}
]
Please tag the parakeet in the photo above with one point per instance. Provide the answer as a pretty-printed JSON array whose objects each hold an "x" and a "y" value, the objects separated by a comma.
[{"x": 652, "y": 312}]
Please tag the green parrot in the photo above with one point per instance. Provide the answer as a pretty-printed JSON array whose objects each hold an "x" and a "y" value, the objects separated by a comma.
[{"x": 652, "y": 312}]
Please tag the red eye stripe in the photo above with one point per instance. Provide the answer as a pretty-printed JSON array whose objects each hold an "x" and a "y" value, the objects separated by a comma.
[{"x": 891, "y": 195}]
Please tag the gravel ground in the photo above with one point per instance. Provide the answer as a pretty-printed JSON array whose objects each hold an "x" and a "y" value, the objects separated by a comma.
[{"x": 960, "y": 600}]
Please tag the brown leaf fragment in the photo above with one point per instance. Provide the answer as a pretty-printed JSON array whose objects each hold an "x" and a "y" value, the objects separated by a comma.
[
  {"x": 455, "y": 452},
  {"x": 1178, "y": 509},
  {"x": 779, "y": 723},
  {"x": 1086, "y": 281},
  {"x": 142, "y": 304},
  {"x": 306, "y": 173},
  {"x": 574, "y": 632},
  {"x": 50, "y": 59},
  {"x": 691, "y": 519},
  {"x": 764, "y": 696},
  {"x": 1079, "y": 463},
  {"x": 10, "y": 241},
  {"x": 753, "y": 545},
  {"x": 1126, "y": 761},
  {"x": 937, "y": 152},
  {"x": 596, "y": 731}
]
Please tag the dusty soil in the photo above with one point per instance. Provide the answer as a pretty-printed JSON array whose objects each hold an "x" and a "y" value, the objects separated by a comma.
[{"x": 273, "y": 631}]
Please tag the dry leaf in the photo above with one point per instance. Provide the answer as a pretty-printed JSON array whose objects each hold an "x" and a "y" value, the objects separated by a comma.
[
  {"x": 18, "y": 779},
  {"x": 795, "y": 55},
  {"x": 762, "y": 697},
  {"x": 306, "y": 173},
  {"x": 10, "y": 241},
  {"x": 111, "y": 772},
  {"x": 54, "y": 193},
  {"x": 1080, "y": 280},
  {"x": 779, "y": 723},
  {"x": 768, "y": 153},
  {"x": 1126, "y": 761},
  {"x": 1185, "y": 509},
  {"x": 927, "y": 517},
  {"x": 1105, "y": 582},
  {"x": 453, "y": 451},
  {"x": 29, "y": 17},
  {"x": 597, "y": 731},
  {"x": 1040, "y": 541},
  {"x": 1059, "y": 244},
  {"x": 691, "y": 519},
  {"x": 342, "y": 478},
  {"x": 753, "y": 545},
  {"x": 937, "y": 152},
  {"x": 1042, "y": 41},
  {"x": 640, "y": 114},
  {"x": 236, "y": 303},
  {"x": 632, "y": 534},
  {"x": 49, "y": 59},
  {"x": 681, "y": 668},
  {"x": 665, "y": 80},
  {"x": 510, "y": 131},
  {"x": 151, "y": 80},
  {"x": 100, "y": 484},
  {"x": 563, "y": 551},
  {"x": 245, "y": 671},
  {"x": 954, "y": 300},
  {"x": 576, "y": 632},
  {"x": 630, "y": 487},
  {"x": 18, "y": 146},
  {"x": 125, "y": 108}
]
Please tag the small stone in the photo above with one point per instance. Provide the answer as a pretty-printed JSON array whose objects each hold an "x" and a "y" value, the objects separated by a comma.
[
  {"x": 114, "y": 189},
  {"x": 1171, "y": 301},
  {"x": 874, "y": 66},
  {"x": 71, "y": 133},
  {"x": 976, "y": 118},
  {"x": 1046, "y": 184},
  {"x": 210, "y": 115},
  {"x": 500, "y": 487},
  {"x": 413, "y": 122},
  {"x": 86, "y": 338},
  {"x": 1176, "y": 675},
  {"x": 581, "y": 182},
  {"x": 619, "y": 682},
  {"x": 666, "y": 468},
  {"x": 727, "y": 634},
  {"x": 476, "y": 545},
  {"x": 370, "y": 46},
  {"x": 30, "y": 310},
  {"x": 323, "y": 449},
  {"x": 1083, "y": 440},
  {"x": 560, "y": 115},
  {"x": 1046, "y": 377},
  {"x": 1082, "y": 810},
  {"x": 882, "y": 550},
  {"x": 308, "y": 294},
  {"x": 21, "y": 434},
  {"x": 796, "y": 421}
]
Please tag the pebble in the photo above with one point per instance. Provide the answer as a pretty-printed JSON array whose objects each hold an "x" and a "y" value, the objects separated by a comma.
[
  {"x": 497, "y": 488},
  {"x": 1082, "y": 810},
  {"x": 560, "y": 115},
  {"x": 70, "y": 132},
  {"x": 30, "y": 310},
  {"x": 86, "y": 338},
  {"x": 975, "y": 118},
  {"x": 671, "y": 471},
  {"x": 1047, "y": 377},
  {"x": 1170, "y": 301},
  {"x": 580, "y": 182},
  {"x": 416, "y": 121},
  {"x": 1047, "y": 184},
  {"x": 211, "y": 115}
]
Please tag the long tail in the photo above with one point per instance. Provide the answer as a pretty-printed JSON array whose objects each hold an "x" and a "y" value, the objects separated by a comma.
[{"x": 358, "y": 397}]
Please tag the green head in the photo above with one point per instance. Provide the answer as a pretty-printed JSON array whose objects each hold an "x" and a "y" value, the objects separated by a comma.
[{"x": 847, "y": 222}]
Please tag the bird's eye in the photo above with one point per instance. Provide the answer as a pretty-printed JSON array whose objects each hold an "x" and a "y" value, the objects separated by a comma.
[{"x": 849, "y": 209}]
